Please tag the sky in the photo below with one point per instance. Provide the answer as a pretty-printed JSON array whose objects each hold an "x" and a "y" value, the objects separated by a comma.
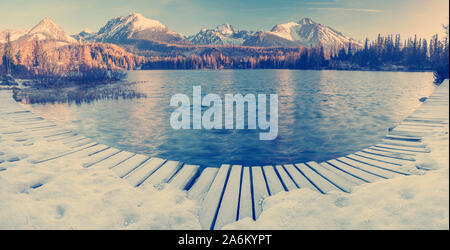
[{"x": 355, "y": 18}]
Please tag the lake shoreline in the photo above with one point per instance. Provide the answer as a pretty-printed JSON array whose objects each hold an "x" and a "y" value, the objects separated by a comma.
[
  {"x": 321, "y": 69},
  {"x": 76, "y": 93}
]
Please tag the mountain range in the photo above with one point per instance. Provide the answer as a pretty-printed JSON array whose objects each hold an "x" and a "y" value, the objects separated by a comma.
[
  {"x": 224, "y": 34},
  {"x": 46, "y": 29},
  {"x": 135, "y": 28},
  {"x": 305, "y": 32}
]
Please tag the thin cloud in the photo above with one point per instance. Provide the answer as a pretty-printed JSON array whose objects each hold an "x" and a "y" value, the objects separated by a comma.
[{"x": 351, "y": 9}]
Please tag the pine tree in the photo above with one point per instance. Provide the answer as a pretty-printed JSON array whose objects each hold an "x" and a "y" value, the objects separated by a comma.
[{"x": 7, "y": 57}]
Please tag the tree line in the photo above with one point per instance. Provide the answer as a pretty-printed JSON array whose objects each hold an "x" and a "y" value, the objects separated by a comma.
[
  {"x": 384, "y": 53},
  {"x": 91, "y": 62},
  {"x": 51, "y": 63}
]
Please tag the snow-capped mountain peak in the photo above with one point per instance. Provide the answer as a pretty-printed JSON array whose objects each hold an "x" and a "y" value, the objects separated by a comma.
[
  {"x": 306, "y": 20},
  {"x": 226, "y": 29},
  {"x": 135, "y": 26},
  {"x": 224, "y": 34},
  {"x": 139, "y": 22},
  {"x": 47, "y": 29},
  {"x": 286, "y": 30},
  {"x": 308, "y": 33},
  {"x": 87, "y": 31}
]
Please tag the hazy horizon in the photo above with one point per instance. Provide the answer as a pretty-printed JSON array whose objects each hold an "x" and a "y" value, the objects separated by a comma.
[{"x": 356, "y": 19}]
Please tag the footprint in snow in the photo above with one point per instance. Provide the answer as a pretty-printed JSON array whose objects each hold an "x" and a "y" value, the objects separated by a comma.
[
  {"x": 13, "y": 159},
  {"x": 60, "y": 212}
]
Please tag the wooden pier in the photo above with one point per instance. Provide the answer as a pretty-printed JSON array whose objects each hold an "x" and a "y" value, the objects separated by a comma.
[{"x": 233, "y": 192}]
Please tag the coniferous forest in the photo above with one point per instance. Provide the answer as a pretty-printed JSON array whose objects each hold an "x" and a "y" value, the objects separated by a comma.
[
  {"x": 385, "y": 53},
  {"x": 47, "y": 62}
]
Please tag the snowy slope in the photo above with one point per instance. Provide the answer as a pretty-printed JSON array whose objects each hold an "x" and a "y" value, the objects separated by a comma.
[
  {"x": 121, "y": 30},
  {"x": 47, "y": 29},
  {"x": 308, "y": 33},
  {"x": 224, "y": 34},
  {"x": 85, "y": 35},
  {"x": 15, "y": 34},
  {"x": 267, "y": 39}
]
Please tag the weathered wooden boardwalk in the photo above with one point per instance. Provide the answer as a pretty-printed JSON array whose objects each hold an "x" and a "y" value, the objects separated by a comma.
[{"x": 233, "y": 192}]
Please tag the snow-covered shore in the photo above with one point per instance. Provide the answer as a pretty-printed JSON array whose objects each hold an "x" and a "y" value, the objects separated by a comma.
[
  {"x": 405, "y": 202},
  {"x": 64, "y": 195}
]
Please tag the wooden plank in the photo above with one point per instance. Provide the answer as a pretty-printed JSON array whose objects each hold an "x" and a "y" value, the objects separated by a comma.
[
  {"x": 201, "y": 186},
  {"x": 79, "y": 143},
  {"x": 406, "y": 149},
  {"x": 393, "y": 155},
  {"x": 66, "y": 153},
  {"x": 228, "y": 210},
  {"x": 48, "y": 133},
  {"x": 318, "y": 181},
  {"x": 403, "y": 138},
  {"x": 74, "y": 139},
  {"x": 163, "y": 174},
  {"x": 382, "y": 159},
  {"x": 298, "y": 177},
  {"x": 90, "y": 151},
  {"x": 337, "y": 180},
  {"x": 379, "y": 171},
  {"x": 404, "y": 143},
  {"x": 52, "y": 135},
  {"x": 184, "y": 176},
  {"x": 42, "y": 127},
  {"x": 10, "y": 132},
  {"x": 26, "y": 120},
  {"x": 35, "y": 123},
  {"x": 22, "y": 115},
  {"x": 344, "y": 175},
  {"x": 288, "y": 182},
  {"x": 401, "y": 130},
  {"x": 394, "y": 151},
  {"x": 101, "y": 157},
  {"x": 274, "y": 183},
  {"x": 22, "y": 111},
  {"x": 211, "y": 203},
  {"x": 25, "y": 116},
  {"x": 126, "y": 167},
  {"x": 245, "y": 201},
  {"x": 260, "y": 191},
  {"x": 391, "y": 168},
  {"x": 426, "y": 121},
  {"x": 141, "y": 174},
  {"x": 417, "y": 127},
  {"x": 115, "y": 160},
  {"x": 417, "y": 124},
  {"x": 63, "y": 137},
  {"x": 356, "y": 172}
]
